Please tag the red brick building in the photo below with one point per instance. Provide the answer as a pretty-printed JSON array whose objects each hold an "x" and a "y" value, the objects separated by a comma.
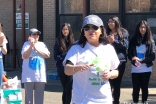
[{"x": 48, "y": 15}]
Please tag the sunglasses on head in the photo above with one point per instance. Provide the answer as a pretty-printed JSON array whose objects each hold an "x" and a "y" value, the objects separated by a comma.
[{"x": 87, "y": 27}]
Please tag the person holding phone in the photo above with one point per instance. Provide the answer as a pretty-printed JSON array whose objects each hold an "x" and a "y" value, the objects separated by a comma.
[
  {"x": 141, "y": 53},
  {"x": 91, "y": 61},
  {"x": 3, "y": 50},
  {"x": 34, "y": 53}
]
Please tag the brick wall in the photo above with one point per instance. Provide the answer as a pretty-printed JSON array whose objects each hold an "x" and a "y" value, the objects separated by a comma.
[
  {"x": 6, "y": 20},
  {"x": 49, "y": 22}
]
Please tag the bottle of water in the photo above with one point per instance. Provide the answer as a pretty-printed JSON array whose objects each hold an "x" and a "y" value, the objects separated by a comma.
[
  {"x": 57, "y": 77},
  {"x": 54, "y": 73},
  {"x": 48, "y": 75},
  {"x": 51, "y": 75}
]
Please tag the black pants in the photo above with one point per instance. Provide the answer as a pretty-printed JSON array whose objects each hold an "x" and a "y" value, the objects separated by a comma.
[
  {"x": 115, "y": 83},
  {"x": 66, "y": 82},
  {"x": 140, "y": 80}
]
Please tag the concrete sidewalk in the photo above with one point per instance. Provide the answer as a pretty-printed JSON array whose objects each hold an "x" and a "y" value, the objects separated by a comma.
[{"x": 53, "y": 90}]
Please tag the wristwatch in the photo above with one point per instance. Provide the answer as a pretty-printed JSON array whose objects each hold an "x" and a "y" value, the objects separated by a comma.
[{"x": 1, "y": 46}]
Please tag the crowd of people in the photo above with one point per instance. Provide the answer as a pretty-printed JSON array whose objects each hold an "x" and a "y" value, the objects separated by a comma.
[{"x": 91, "y": 68}]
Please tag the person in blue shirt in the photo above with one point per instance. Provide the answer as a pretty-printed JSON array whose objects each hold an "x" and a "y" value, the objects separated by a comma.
[{"x": 61, "y": 47}]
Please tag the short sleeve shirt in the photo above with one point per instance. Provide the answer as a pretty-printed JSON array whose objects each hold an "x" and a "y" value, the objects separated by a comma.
[
  {"x": 88, "y": 88},
  {"x": 4, "y": 42},
  {"x": 34, "y": 68}
]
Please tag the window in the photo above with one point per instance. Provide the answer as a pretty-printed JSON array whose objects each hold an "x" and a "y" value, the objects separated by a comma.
[
  {"x": 70, "y": 6},
  {"x": 104, "y": 6},
  {"x": 135, "y": 6}
]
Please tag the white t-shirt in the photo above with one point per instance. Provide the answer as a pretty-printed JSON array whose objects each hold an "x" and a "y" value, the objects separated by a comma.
[
  {"x": 88, "y": 88},
  {"x": 4, "y": 42},
  {"x": 34, "y": 68},
  {"x": 141, "y": 51}
]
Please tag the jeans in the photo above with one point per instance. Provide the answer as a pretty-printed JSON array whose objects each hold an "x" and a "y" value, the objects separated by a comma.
[{"x": 1, "y": 70}]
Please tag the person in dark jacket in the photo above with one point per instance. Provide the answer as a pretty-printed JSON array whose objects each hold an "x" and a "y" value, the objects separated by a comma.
[
  {"x": 61, "y": 47},
  {"x": 119, "y": 38},
  {"x": 141, "y": 53}
]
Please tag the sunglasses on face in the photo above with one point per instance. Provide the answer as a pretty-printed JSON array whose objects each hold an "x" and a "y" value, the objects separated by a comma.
[{"x": 87, "y": 27}]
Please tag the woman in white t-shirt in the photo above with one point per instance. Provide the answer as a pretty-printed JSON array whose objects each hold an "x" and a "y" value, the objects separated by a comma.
[
  {"x": 3, "y": 50},
  {"x": 141, "y": 53},
  {"x": 91, "y": 61},
  {"x": 34, "y": 53}
]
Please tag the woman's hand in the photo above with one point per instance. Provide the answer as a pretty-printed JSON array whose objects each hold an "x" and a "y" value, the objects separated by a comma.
[
  {"x": 135, "y": 58},
  {"x": 2, "y": 40},
  {"x": 106, "y": 75},
  {"x": 32, "y": 41},
  {"x": 111, "y": 38},
  {"x": 82, "y": 67},
  {"x": 72, "y": 69}
]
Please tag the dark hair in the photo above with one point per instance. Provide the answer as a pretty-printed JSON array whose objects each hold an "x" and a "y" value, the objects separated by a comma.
[
  {"x": 62, "y": 40},
  {"x": 102, "y": 38},
  {"x": 0, "y": 29},
  {"x": 147, "y": 39},
  {"x": 118, "y": 26}
]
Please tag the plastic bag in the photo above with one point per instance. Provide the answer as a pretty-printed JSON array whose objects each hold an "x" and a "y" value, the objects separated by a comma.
[{"x": 12, "y": 93}]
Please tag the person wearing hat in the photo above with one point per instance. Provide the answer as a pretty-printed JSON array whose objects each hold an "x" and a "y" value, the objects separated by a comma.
[
  {"x": 34, "y": 53},
  {"x": 92, "y": 61},
  {"x": 3, "y": 50}
]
